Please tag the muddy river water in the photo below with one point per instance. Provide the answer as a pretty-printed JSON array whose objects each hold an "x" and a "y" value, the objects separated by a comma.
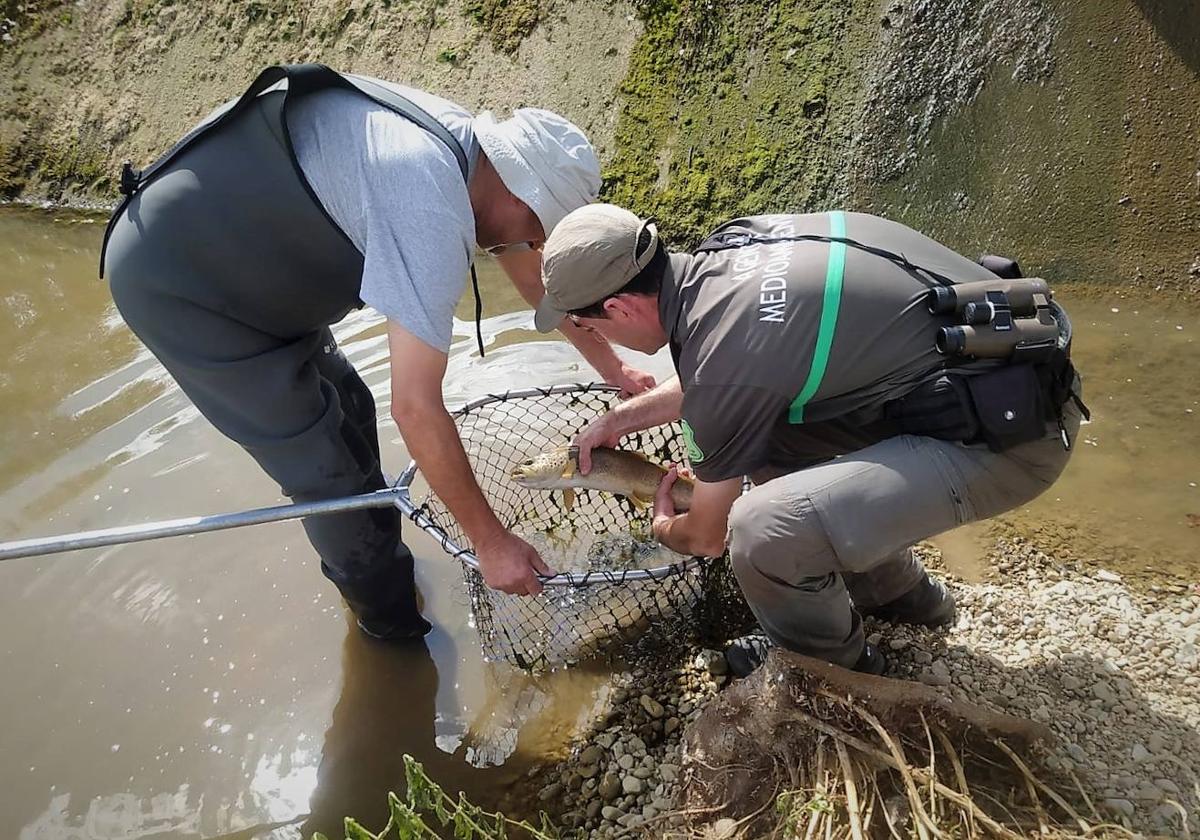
[{"x": 211, "y": 686}]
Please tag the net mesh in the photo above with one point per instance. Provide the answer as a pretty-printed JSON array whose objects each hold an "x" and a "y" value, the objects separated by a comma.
[{"x": 615, "y": 586}]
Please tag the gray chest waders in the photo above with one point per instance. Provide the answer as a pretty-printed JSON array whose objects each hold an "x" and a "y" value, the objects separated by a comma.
[
  {"x": 1010, "y": 320},
  {"x": 229, "y": 270},
  {"x": 271, "y": 187}
]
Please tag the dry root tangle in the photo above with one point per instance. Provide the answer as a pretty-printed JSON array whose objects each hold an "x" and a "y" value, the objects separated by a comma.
[{"x": 805, "y": 750}]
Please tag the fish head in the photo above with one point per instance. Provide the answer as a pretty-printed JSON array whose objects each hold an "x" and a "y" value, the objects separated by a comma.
[{"x": 547, "y": 470}]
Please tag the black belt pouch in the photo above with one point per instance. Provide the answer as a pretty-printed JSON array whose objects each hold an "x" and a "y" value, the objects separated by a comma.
[{"x": 1010, "y": 404}]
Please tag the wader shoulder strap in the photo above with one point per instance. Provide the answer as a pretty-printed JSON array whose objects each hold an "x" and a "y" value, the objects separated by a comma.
[
  {"x": 302, "y": 79},
  {"x": 725, "y": 241}
]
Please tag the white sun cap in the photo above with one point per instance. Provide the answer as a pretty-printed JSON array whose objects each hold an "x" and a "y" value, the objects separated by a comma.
[{"x": 543, "y": 159}]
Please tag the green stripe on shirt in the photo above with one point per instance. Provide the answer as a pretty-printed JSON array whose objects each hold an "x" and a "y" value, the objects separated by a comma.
[{"x": 834, "y": 271}]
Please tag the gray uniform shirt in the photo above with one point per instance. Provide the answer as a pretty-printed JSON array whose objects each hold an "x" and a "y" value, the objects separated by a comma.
[
  {"x": 399, "y": 195},
  {"x": 743, "y": 326}
]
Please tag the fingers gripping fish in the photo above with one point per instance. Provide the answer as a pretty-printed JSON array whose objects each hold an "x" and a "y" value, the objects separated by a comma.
[{"x": 618, "y": 471}]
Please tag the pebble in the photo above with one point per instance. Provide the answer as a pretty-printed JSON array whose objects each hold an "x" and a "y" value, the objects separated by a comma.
[
  {"x": 1120, "y": 806},
  {"x": 652, "y": 706},
  {"x": 591, "y": 755},
  {"x": 626, "y": 762},
  {"x": 712, "y": 661},
  {"x": 1139, "y": 753},
  {"x": 611, "y": 813},
  {"x": 1107, "y": 576},
  {"x": 633, "y": 785},
  {"x": 593, "y": 809},
  {"x": 722, "y": 829},
  {"x": 671, "y": 725},
  {"x": 610, "y": 787}
]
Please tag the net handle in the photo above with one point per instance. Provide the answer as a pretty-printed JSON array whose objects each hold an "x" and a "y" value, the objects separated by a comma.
[{"x": 416, "y": 513}]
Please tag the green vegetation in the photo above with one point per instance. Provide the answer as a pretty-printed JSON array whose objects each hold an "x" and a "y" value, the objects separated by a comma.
[
  {"x": 59, "y": 165},
  {"x": 20, "y": 19},
  {"x": 428, "y": 808},
  {"x": 506, "y": 22},
  {"x": 724, "y": 110}
]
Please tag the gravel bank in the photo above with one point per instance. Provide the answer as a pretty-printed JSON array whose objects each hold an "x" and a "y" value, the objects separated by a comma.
[{"x": 1114, "y": 673}]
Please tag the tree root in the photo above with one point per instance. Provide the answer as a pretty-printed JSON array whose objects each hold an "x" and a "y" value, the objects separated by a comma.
[{"x": 860, "y": 757}]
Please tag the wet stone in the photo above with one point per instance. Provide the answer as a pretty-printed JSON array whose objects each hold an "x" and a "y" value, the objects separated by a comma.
[
  {"x": 652, "y": 706},
  {"x": 550, "y": 791},
  {"x": 671, "y": 725},
  {"x": 593, "y": 809},
  {"x": 589, "y": 771}
]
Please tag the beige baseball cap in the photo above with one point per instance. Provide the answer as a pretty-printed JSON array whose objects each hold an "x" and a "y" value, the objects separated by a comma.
[{"x": 591, "y": 254}]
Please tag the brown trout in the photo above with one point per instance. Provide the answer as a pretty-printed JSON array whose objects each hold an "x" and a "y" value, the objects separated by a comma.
[{"x": 618, "y": 471}]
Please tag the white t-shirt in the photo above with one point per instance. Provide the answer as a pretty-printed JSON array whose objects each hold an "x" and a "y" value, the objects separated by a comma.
[{"x": 399, "y": 195}]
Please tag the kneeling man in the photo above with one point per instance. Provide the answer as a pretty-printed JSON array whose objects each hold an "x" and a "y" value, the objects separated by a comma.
[{"x": 805, "y": 352}]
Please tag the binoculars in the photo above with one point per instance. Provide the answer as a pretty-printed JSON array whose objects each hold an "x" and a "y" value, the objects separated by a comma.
[{"x": 999, "y": 319}]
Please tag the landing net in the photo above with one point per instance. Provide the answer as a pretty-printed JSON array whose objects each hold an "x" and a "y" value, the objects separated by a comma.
[{"x": 614, "y": 585}]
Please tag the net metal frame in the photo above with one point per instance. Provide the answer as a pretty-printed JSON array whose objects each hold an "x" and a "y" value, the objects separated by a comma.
[{"x": 584, "y": 613}]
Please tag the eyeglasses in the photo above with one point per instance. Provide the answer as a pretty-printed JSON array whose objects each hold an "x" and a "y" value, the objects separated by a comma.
[{"x": 513, "y": 247}]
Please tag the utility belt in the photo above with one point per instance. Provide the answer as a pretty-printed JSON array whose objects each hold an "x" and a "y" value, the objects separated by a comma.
[{"x": 1009, "y": 370}]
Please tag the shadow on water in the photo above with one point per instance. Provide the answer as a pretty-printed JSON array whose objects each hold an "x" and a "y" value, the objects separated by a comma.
[
  {"x": 387, "y": 708},
  {"x": 1177, "y": 22}
]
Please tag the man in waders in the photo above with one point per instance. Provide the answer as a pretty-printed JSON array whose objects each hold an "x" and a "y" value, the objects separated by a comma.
[
  {"x": 313, "y": 194},
  {"x": 826, "y": 357}
]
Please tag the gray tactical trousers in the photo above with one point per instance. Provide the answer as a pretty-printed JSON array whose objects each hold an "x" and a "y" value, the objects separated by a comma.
[
  {"x": 230, "y": 273},
  {"x": 807, "y": 543}
]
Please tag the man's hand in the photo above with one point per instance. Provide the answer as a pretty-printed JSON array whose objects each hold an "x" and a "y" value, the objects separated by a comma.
[
  {"x": 510, "y": 564},
  {"x": 602, "y": 431},
  {"x": 663, "y": 506},
  {"x": 630, "y": 380},
  {"x": 700, "y": 531}
]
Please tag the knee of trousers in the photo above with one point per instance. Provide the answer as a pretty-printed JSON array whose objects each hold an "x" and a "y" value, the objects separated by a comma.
[{"x": 781, "y": 539}]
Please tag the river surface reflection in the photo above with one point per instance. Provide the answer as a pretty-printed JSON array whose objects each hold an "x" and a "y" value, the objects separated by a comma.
[{"x": 212, "y": 687}]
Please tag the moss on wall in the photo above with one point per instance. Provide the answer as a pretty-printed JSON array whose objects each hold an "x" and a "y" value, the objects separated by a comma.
[
  {"x": 724, "y": 111},
  {"x": 506, "y": 22}
]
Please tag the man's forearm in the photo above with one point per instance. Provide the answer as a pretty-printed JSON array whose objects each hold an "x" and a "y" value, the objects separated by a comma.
[
  {"x": 661, "y": 404},
  {"x": 676, "y": 533},
  {"x": 434, "y": 443}
]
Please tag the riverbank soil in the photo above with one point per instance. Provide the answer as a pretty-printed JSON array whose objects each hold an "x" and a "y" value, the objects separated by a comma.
[{"x": 1066, "y": 700}]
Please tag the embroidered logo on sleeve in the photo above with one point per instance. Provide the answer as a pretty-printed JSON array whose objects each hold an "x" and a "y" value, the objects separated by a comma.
[{"x": 694, "y": 453}]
